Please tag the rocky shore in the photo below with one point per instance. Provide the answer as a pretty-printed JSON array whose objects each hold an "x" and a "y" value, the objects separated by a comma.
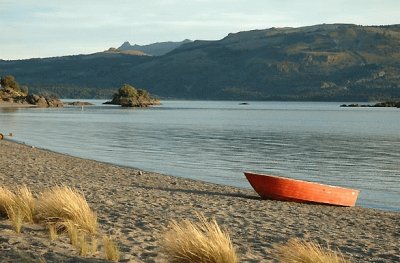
[{"x": 136, "y": 206}]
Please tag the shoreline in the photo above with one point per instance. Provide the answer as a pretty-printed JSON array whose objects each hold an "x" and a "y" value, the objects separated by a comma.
[
  {"x": 5, "y": 105},
  {"x": 136, "y": 206}
]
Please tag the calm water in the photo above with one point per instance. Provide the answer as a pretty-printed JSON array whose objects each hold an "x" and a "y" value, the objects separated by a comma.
[{"x": 217, "y": 141}]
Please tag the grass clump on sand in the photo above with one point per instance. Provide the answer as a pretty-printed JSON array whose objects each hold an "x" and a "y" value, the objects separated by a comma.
[
  {"x": 53, "y": 231},
  {"x": 111, "y": 250},
  {"x": 25, "y": 201},
  {"x": 6, "y": 200},
  {"x": 16, "y": 217},
  {"x": 17, "y": 207},
  {"x": 62, "y": 204},
  {"x": 202, "y": 241},
  {"x": 299, "y": 251}
]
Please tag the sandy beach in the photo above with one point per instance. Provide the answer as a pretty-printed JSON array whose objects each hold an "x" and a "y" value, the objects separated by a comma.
[{"x": 136, "y": 206}]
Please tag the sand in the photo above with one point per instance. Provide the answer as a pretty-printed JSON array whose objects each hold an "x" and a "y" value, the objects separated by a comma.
[{"x": 136, "y": 206}]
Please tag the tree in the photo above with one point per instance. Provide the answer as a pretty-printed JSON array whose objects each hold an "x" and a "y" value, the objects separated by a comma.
[
  {"x": 25, "y": 90},
  {"x": 10, "y": 82},
  {"x": 143, "y": 94},
  {"x": 127, "y": 91}
]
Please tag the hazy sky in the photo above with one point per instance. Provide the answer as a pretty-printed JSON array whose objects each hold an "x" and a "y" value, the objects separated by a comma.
[{"x": 43, "y": 28}]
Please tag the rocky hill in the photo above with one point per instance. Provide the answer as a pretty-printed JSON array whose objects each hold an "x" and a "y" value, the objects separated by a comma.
[
  {"x": 155, "y": 49},
  {"x": 323, "y": 62},
  {"x": 12, "y": 94}
]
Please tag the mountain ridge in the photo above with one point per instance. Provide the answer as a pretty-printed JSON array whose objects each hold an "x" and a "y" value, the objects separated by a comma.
[
  {"x": 341, "y": 62},
  {"x": 153, "y": 49}
]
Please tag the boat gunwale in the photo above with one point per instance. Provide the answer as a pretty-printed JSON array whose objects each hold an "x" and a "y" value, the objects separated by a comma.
[{"x": 301, "y": 181}]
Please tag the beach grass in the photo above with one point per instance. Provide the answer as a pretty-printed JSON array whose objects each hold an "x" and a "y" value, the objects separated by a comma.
[
  {"x": 53, "y": 233},
  {"x": 26, "y": 202},
  {"x": 83, "y": 245},
  {"x": 72, "y": 231},
  {"x": 6, "y": 200},
  {"x": 64, "y": 204},
  {"x": 18, "y": 207},
  {"x": 203, "y": 241},
  {"x": 301, "y": 251},
  {"x": 111, "y": 250},
  {"x": 16, "y": 217}
]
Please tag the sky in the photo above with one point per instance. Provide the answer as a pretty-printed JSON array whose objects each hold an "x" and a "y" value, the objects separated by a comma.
[{"x": 48, "y": 28}]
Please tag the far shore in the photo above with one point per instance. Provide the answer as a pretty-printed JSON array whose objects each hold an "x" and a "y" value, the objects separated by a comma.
[{"x": 136, "y": 206}]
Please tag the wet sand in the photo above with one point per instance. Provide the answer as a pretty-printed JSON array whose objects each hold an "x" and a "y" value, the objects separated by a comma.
[{"x": 136, "y": 206}]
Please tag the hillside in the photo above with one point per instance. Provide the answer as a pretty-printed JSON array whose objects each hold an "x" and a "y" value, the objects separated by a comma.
[
  {"x": 323, "y": 62},
  {"x": 155, "y": 49}
]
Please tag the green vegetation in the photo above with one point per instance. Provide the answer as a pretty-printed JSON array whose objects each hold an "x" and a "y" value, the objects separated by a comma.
[
  {"x": 128, "y": 96},
  {"x": 9, "y": 82}
]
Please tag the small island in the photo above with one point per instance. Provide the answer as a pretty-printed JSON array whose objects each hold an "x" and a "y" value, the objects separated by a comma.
[
  {"x": 14, "y": 95},
  {"x": 379, "y": 104},
  {"x": 128, "y": 96},
  {"x": 78, "y": 103}
]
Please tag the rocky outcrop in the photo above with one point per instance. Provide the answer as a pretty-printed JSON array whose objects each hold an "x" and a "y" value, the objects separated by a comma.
[
  {"x": 12, "y": 93},
  {"x": 43, "y": 102},
  {"x": 31, "y": 99},
  {"x": 395, "y": 104},
  {"x": 128, "y": 96},
  {"x": 79, "y": 103}
]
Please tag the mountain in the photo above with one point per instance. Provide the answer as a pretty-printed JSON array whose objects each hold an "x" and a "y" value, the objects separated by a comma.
[
  {"x": 155, "y": 49},
  {"x": 132, "y": 52},
  {"x": 341, "y": 62}
]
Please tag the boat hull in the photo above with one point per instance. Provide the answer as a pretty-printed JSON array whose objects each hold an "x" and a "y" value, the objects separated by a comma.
[{"x": 286, "y": 189}]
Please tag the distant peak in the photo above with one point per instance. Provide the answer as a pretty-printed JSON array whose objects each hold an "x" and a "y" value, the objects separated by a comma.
[
  {"x": 126, "y": 44},
  {"x": 154, "y": 49}
]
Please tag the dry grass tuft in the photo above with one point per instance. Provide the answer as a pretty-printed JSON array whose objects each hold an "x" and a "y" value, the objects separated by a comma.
[
  {"x": 6, "y": 200},
  {"x": 53, "y": 231},
  {"x": 299, "y": 251},
  {"x": 111, "y": 249},
  {"x": 26, "y": 202},
  {"x": 72, "y": 231},
  {"x": 66, "y": 204},
  {"x": 84, "y": 247},
  {"x": 16, "y": 217},
  {"x": 17, "y": 207},
  {"x": 204, "y": 242}
]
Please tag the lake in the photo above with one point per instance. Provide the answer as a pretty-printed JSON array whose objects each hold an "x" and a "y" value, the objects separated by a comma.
[{"x": 215, "y": 141}]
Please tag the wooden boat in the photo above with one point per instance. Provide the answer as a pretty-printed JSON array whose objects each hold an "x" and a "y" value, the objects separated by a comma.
[{"x": 286, "y": 189}]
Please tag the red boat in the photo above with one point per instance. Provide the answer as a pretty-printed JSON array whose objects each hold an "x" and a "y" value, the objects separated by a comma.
[{"x": 286, "y": 189}]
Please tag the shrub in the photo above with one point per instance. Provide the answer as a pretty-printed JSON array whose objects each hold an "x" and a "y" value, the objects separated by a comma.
[
  {"x": 127, "y": 91},
  {"x": 9, "y": 82},
  {"x": 298, "y": 251},
  {"x": 203, "y": 241}
]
